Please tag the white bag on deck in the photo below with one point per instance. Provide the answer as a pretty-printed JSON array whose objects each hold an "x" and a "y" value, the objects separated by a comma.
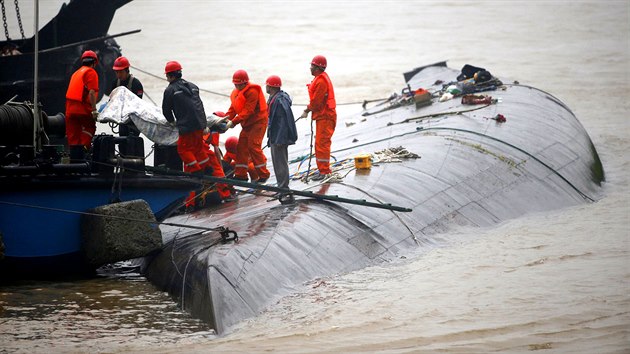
[{"x": 124, "y": 105}]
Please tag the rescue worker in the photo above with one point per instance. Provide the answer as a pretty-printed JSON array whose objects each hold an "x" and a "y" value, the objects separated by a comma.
[
  {"x": 229, "y": 159},
  {"x": 322, "y": 104},
  {"x": 211, "y": 144},
  {"x": 183, "y": 105},
  {"x": 248, "y": 108},
  {"x": 126, "y": 79},
  {"x": 281, "y": 132},
  {"x": 81, "y": 98}
]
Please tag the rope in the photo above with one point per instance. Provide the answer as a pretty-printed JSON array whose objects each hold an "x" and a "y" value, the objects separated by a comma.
[
  {"x": 221, "y": 240},
  {"x": 394, "y": 154},
  {"x": 364, "y": 102},
  {"x": 117, "y": 187},
  {"x": 301, "y": 175},
  {"x": 161, "y": 78},
  {"x": 374, "y": 141},
  {"x": 219, "y": 229},
  {"x": 186, "y": 268},
  {"x": 521, "y": 150},
  {"x": 413, "y": 236},
  {"x": 433, "y": 115},
  {"x": 421, "y": 129},
  {"x": 149, "y": 97},
  {"x": 310, "y": 155},
  {"x": 545, "y": 92},
  {"x": 207, "y": 186},
  {"x": 164, "y": 175},
  {"x": 399, "y": 135}
]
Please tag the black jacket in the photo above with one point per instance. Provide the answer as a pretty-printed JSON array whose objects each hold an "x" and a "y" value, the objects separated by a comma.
[
  {"x": 132, "y": 83},
  {"x": 182, "y": 103}
]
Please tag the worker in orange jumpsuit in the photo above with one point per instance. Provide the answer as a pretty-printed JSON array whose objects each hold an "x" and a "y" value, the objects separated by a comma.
[
  {"x": 211, "y": 144},
  {"x": 248, "y": 108},
  {"x": 182, "y": 104},
  {"x": 322, "y": 104},
  {"x": 81, "y": 98},
  {"x": 230, "y": 158}
]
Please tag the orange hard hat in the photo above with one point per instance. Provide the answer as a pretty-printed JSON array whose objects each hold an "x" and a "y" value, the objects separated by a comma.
[
  {"x": 240, "y": 77},
  {"x": 121, "y": 63},
  {"x": 172, "y": 66},
  {"x": 89, "y": 54},
  {"x": 230, "y": 144},
  {"x": 319, "y": 60},
  {"x": 274, "y": 81}
]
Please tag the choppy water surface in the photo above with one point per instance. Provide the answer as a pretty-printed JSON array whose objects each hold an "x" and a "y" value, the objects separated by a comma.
[{"x": 557, "y": 281}]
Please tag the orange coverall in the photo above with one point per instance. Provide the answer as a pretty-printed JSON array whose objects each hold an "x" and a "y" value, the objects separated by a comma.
[
  {"x": 249, "y": 108},
  {"x": 230, "y": 158},
  {"x": 210, "y": 142},
  {"x": 80, "y": 125},
  {"x": 322, "y": 105}
]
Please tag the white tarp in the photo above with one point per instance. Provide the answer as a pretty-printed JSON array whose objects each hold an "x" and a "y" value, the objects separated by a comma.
[{"x": 124, "y": 105}]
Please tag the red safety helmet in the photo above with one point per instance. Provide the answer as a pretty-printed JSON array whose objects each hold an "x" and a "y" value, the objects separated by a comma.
[
  {"x": 274, "y": 81},
  {"x": 219, "y": 114},
  {"x": 89, "y": 54},
  {"x": 319, "y": 60},
  {"x": 172, "y": 66},
  {"x": 230, "y": 144},
  {"x": 121, "y": 63},
  {"x": 240, "y": 77}
]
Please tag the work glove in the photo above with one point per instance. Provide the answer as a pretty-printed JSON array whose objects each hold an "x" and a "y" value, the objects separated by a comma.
[
  {"x": 206, "y": 131},
  {"x": 221, "y": 127},
  {"x": 229, "y": 124},
  {"x": 94, "y": 114},
  {"x": 304, "y": 115}
]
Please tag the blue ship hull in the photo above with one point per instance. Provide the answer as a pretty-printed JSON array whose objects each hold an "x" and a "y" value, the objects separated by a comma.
[
  {"x": 40, "y": 218},
  {"x": 45, "y": 220}
]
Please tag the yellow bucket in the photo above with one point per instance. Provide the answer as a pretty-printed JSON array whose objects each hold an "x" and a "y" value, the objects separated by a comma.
[{"x": 363, "y": 161}]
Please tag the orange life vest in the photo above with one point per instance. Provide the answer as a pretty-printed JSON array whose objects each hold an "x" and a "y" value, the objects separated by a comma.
[
  {"x": 330, "y": 100},
  {"x": 77, "y": 89},
  {"x": 239, "y": 100}
]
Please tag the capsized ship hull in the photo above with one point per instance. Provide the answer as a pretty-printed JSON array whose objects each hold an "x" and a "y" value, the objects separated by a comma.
[{"x": 473, "y": 171}]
